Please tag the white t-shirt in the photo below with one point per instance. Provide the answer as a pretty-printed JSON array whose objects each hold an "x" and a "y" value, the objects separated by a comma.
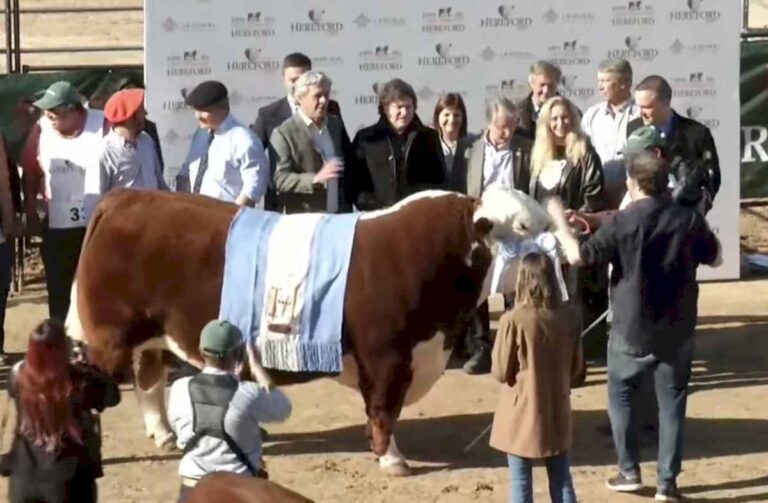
[{"x": 69, "y": 164}]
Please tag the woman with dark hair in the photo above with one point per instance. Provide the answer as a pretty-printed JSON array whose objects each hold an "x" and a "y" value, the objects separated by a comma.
[
  {"x": 56, "y": 452},
  {"x": 395, "y": 157},
  {"x": 450, "y": 122}
]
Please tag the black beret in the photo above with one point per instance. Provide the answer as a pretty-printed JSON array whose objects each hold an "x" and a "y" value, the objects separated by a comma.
[{"x": 206, "y": 94}]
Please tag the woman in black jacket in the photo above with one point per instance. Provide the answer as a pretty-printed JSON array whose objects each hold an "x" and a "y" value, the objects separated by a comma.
[
  {"x": 563, "y": 162},
  {"x": 397, "y": 156},
  {"x": 56, "y": 452}
]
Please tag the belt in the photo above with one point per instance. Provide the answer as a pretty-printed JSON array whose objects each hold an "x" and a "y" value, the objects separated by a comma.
[{"x": 189, "y": 482}]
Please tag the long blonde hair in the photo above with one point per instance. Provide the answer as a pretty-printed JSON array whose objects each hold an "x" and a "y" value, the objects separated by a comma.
[{"x": 544, "y": 147}]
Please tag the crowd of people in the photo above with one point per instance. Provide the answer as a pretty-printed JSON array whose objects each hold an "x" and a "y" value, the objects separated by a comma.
[{"x": 639, "y": 173}]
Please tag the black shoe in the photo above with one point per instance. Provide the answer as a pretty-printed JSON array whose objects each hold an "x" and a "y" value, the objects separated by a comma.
[
  {"x": 480, "y": 362},
  {"x": 624, "y": 483},
  {"x": 669, "y": 493}
]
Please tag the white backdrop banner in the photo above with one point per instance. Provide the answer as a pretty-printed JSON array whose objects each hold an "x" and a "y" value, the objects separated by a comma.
[{"x": 474, "y": 48}]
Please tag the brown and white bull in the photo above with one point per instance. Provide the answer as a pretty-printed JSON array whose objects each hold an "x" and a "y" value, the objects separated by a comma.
[{"x": 150, "y": 276}]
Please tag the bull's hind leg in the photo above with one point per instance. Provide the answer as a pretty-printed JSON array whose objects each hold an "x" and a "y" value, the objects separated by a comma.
[
  {"x": 149, "y": 373},
  {"x": 383, "y": 389}
]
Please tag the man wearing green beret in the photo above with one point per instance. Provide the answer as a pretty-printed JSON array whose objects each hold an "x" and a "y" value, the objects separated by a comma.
[{"x": 216, "y": 416}]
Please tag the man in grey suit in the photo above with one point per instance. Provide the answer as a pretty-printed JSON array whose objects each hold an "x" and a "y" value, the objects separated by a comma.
[
  {"x": 500, "y": 156},
  {"x": 310, "y": 151}
]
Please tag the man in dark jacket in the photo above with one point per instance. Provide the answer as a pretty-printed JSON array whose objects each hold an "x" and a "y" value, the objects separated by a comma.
[
  {"x": 655, "y": 246},
  {"x": 694, "y": 161},
  {"x": 543, "y": 78},
  {"x": 269, "y": 117},
  {"x": 395, "y": 157}
]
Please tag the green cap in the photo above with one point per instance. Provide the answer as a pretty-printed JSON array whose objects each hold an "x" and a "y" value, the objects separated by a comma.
[
  {"x": 643, "y": 140},
  {"x": 59, "y": 94},
  {"x": 219, "y": 338}
]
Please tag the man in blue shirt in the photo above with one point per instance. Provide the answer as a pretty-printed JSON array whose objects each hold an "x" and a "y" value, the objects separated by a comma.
[
  {"x": 655, "y": 246},
  {"x": 226, "y": 160}
]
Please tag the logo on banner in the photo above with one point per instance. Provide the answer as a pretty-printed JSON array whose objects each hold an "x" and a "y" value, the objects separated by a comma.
[
  {"x": 634, "y": 49},
  {"x": 679, "y": 47},
  {"x": 252, "y": 24},
  {"x": 552, "y": 17},
  {"x": 177, "y": 105},
  {"x": 569, "y": 52},
  {"x": 371, "y": 98},
  {"x": 362, "y": 21},
  {"x": 253, "y": 61},
  {"x": 444, "y": 20},
  {"x": 188, "y": 63},
  {"x": 489, "y": 54},
  {"x": 633, "y": 13},
  {"x": 507, "y": 18},
  {"x": 170, "y": 25},
  {"x": 694, "y": 85},
  {"x": 699, "y": 114},
  {"x": 326, "y": 61},
  {"x": 570, "y": 88},
  {"x": 427, "y": 93},
  {"x": 696, "y": 12},
  {"x": 444, "y": 56},
  {"x": 514, "y": 88},
  {"x": 381, "y": 58},
  {"x": 317, "y": 22}
]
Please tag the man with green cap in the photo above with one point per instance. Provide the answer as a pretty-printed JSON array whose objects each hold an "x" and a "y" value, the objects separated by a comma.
[
  {"x": 60, "y": 156},
  {"x": 216, "y": 416}
]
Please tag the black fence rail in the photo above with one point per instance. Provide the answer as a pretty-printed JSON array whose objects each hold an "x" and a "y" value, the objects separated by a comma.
[{"x": 14, "y": 49}]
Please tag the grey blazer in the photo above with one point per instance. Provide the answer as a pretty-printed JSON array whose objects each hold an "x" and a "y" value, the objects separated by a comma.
[
  {"x": 297, "y": 161},
  {"x": 471, "y": 183}
]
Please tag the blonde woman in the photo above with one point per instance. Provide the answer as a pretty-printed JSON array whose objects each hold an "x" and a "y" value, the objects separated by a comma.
[{"x": 563, "y": 162}]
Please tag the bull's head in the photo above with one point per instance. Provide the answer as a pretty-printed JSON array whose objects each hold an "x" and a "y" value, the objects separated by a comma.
[{"x": 512, "y": 214}]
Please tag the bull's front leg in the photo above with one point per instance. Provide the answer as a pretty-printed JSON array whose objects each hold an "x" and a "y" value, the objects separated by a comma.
[
  {"x": 149, "y": 372},
  {"x": 383, "y": 390}
]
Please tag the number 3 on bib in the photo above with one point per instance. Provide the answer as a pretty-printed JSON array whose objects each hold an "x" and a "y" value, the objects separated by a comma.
[{"x": 77, "y": 214}]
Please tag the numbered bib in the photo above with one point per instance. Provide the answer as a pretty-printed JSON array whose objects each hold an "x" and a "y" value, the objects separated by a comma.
[{"x": 66, "y": 206}]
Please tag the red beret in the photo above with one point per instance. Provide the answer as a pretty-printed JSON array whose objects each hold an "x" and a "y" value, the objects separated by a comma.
[{"x": 123, "y": 104}]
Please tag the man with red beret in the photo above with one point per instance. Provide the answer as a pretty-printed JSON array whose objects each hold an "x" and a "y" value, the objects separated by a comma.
[{"x": 129, "y": 157}]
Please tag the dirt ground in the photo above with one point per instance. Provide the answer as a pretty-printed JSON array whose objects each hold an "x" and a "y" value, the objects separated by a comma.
[{"x": 321, "y": 452}]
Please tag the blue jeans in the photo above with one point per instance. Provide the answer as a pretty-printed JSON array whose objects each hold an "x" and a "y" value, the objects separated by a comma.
[
  {"x": 558, "y": 471},
  {"x": 671, "y": 376}
]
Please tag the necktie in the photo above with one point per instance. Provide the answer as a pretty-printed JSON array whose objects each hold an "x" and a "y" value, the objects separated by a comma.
[{"x": 203, "y": 165}]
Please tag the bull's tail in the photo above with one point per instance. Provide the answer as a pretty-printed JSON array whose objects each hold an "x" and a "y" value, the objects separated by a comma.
[{"x": 72, "y": 324}]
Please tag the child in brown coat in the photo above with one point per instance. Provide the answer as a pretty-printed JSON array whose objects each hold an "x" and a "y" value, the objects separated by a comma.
[{"x": 538, "y": 357}]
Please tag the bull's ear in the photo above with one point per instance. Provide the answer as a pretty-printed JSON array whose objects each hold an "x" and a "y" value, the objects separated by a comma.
[{"x": 483, "y": 227}]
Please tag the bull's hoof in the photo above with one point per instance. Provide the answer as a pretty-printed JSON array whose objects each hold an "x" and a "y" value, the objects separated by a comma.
[{"x": 397, "y": 469}]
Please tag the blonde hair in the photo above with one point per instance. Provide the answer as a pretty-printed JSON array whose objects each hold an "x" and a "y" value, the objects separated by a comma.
[
  {"x": 544, "y": 147},
  {"x": 537, "y": 283}
]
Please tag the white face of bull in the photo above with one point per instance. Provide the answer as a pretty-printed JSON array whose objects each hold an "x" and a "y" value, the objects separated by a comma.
[{"x": 517, "y": 219}]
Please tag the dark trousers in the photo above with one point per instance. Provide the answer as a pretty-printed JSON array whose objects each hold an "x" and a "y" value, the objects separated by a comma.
[
  {"x": 60, "y": 251},
  {"x": 6, "y": 266},
  {"x": 671, "y": 376},
  {"x": 76, "y": 490},
  {"x": 479, "y": 330}
]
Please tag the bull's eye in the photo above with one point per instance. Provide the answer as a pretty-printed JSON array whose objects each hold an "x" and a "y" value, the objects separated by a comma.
[{"x": 523, "y": 227}]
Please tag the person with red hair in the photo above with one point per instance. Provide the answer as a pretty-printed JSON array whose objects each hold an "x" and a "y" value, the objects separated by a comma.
[{"x": 56, "y": 452}]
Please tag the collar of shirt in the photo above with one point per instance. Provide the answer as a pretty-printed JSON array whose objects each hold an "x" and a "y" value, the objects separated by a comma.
[
  {"x": 225, "y": 126},
  {"x": 490, "y": 145},
  {"x": 309, "y": 122},
  {"x": 292, "y": 103},
  {"x": 113, "y": 136},
  {"x": 666, "y": 128},
  {"x": 627, "y": 105},
  {"x": 215, "y": 371}
]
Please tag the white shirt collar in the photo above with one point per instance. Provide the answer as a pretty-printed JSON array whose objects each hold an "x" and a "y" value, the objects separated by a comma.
[
  {"x": 308, "y": 122},
  {"x": 215, "y": 371}
]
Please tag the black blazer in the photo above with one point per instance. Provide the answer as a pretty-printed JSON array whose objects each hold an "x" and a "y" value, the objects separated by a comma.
[
  {"x": 581, "y": 185},
  {"x": 470, "y": 173},
  {"x": 693, "y": 156},
  {"x": 271, "y": 116},
  {"x": 375, "y": 182}
]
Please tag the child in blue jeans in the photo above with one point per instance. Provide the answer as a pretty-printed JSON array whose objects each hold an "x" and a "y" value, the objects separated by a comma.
[{"x": 538, "y": 358}]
